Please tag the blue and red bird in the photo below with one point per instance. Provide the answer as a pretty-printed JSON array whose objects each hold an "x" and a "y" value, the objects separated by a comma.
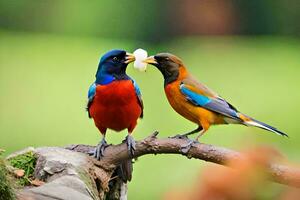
[
  {"x": 114, "y": 99},
  {"x": 195, "y": 101}
]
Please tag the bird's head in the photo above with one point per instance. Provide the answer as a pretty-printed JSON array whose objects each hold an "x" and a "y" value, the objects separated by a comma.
[
  {"x": 113, "y": 64},
  {"x": 168, "y": 64}
]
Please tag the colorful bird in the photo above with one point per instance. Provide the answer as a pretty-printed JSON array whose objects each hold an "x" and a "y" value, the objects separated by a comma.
[
  {"x": 195, "y": 101},
  {"x": 114, "y": 99}
]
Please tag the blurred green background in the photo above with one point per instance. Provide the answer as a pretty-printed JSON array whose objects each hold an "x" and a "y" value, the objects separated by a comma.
[{"x": 248, "y": 51}]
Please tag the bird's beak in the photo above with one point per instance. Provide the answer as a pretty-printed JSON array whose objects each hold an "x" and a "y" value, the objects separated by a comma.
[
  {"x": 129, "y": 58},
  {"x": 150, "y": 60}
]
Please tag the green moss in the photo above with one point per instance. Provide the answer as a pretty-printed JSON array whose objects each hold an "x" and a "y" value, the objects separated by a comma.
[
  {"x": 26, "y": 162},
  {"x": 6, "y": 190},
  {"x": 84, "y": 176}
]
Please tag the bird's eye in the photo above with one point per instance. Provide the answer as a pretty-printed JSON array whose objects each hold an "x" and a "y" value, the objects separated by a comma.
[
  {"x": 167, "y": 59},
  {"x": 115, "y": 59}
]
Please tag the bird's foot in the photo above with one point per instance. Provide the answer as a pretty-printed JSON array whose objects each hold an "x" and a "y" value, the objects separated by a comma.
[
  {"x": 98, "y": 152},
  {"x": 186, "y": 147},
  {"x": 130, "y": 144}
]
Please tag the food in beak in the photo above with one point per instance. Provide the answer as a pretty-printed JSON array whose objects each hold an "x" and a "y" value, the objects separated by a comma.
[{"x": 140, "y": 56}]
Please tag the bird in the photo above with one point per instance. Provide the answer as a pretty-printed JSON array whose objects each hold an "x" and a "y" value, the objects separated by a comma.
[
  {"x": 195, "y": 101},
  {"x": 114, "y": 99}
]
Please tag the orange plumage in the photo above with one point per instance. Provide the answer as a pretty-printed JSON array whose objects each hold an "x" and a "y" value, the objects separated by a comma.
[
  {"x": 195, "y": 101},
  {"x": 203, "y": 117}
]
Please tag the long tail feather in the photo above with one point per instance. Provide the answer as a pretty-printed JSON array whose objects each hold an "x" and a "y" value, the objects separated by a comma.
[
  {"x": 125, "y": 170},
  {"x": 253, "y": 122}
]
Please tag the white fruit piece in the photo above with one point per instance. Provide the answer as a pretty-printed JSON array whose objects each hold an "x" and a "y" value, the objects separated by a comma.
[{"x": 140, "y": 56}]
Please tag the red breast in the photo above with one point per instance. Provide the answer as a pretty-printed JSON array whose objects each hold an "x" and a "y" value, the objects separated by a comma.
[{"x": 115, "y": 106}]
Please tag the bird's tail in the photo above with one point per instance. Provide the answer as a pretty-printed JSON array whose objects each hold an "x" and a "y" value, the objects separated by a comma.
[
  {"x": 125, "y": 170},
  {"x": 248, "y": 121}
]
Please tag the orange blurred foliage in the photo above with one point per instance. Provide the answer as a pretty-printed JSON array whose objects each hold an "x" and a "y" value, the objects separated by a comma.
[{"x": 245, "y": 179}]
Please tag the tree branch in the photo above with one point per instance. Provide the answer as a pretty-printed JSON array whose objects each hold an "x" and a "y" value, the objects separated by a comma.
[{"x": 115, "y": 154}]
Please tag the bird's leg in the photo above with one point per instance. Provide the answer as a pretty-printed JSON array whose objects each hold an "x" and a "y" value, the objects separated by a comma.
[
  {"x": 185, "y": 148},
  {"x": 130, "y": 144},
  {"x": 185, "y": 135},
  {"x": 200, "y": 134},
  {"x": 98, "y": 152}
]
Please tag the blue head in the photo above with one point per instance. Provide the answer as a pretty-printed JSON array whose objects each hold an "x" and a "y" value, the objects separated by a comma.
[{"x": 113, "y": 66}]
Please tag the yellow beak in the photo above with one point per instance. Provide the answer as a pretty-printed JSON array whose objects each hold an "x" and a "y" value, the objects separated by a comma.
[
  {"x": 150, "y": 60},
  {"x": 129, "y": 58}
]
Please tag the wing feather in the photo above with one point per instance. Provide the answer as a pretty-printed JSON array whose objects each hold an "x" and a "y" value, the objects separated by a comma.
[
  {"x": 215, "y": 104},
  {"x": 91, "y": 95},
  {"x": 194, "y": 85},
  {"x": 139, "y": 96}
]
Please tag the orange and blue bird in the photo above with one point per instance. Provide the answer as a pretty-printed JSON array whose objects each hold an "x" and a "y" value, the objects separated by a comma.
[
  {"x": 114, "y": 99},
  {"x": 195, "y": 101}
]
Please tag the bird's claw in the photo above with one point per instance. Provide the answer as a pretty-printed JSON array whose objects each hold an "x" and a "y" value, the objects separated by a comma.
[
  {"x": 98, "y": 152},
  {"x": 186, "y": 147},
  {"x": 130, "y": 144}
]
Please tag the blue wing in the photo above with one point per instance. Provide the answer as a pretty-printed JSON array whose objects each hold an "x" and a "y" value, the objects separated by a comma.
[
  {"x": 217, "y": 105},
  {"x": 91, "y": 95},
  {"x": 139, "y": 96}
]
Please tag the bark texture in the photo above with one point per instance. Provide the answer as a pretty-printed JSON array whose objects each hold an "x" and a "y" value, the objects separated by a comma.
[{"x": 71, "y": 169}]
